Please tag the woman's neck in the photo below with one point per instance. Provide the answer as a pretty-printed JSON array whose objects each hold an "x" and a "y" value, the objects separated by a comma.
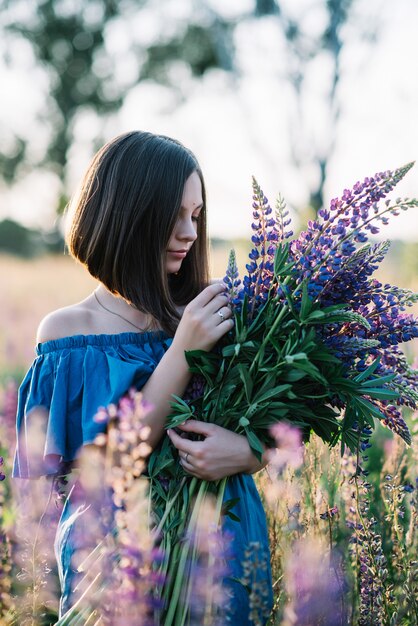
[{"x": 117, "y": 307}]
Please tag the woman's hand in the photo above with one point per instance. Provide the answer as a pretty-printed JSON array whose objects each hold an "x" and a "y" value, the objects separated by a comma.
[
  {"x": 204, "y": 321},
  {"x": 221, "y": 453}
]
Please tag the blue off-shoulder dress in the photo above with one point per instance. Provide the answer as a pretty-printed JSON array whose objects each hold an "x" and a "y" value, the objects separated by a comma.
[{"x": 69, "y": 380}]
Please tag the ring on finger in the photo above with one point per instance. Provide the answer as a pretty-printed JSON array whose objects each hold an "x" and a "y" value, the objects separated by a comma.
[
  {"x": 221, "y": 315},
  {"x": 186, "y": 456}
]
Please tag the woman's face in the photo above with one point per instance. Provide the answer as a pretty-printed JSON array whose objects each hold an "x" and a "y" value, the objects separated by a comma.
[{"x": 185, "y": 230}]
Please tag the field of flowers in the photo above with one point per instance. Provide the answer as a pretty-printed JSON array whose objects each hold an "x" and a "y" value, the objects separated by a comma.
[{"x": 343, "y": 529}]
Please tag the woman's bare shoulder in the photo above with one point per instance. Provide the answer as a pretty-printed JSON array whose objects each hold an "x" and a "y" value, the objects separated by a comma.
[{"x": 65, "y": 322}]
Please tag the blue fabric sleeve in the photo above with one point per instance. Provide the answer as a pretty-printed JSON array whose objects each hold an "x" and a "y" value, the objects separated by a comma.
[{"x": 70, "y": 379}]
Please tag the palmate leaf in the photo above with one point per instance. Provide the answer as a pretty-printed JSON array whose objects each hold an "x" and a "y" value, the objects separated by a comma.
[
  {"x": 181, "y": 411},
  {"x": 282, "y": 266},
  {"x": 204, "y": 363},
  {"x": 158, "y": 490},
  {"x": 367, "y": 410},
  {"x": 379, "y": 393},
  {"x": 349, "y": 438},
  {"x": 377, "y": 382},
  {"x": 323, "y": 420},
  {"x": 157, "y": 463}
]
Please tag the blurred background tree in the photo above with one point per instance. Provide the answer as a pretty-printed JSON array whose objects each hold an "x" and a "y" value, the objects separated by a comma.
[{"x": 72, "y": 41}]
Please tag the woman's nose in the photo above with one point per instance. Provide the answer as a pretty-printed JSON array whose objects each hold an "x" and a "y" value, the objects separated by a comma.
[{"x": 187, "y": 230}]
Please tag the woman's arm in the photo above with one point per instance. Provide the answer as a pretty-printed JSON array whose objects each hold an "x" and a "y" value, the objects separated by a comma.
[{"x": 199, "y": 329}]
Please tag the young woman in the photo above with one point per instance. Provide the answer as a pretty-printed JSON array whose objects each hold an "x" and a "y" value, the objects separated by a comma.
[{"x": 138, "y": 225}]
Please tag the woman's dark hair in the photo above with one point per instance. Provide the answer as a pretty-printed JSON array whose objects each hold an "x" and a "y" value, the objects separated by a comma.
[{"x": 123, "y": 218}]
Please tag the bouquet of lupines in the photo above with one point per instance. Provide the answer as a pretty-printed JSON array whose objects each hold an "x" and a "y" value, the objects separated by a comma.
[{"x": 315, "y": 343}]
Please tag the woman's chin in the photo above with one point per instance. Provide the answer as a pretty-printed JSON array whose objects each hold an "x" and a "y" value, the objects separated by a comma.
[{"x": 173, "y": 267}]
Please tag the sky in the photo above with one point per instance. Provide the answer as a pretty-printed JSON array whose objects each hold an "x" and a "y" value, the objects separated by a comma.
[{"x": 247, "y": 125}]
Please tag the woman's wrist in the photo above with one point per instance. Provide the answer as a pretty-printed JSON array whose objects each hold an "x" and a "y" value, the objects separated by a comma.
[{"x": 253, "y": 464}]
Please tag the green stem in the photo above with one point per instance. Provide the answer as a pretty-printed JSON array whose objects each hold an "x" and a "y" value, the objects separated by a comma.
[
  {"x": 179, "y": 581},
  {"x": 169, "y": 506},
  {"x": 196, "y": 547},
  {"x": 272, "y": 330},
  {"x": 171, "y": 553}
]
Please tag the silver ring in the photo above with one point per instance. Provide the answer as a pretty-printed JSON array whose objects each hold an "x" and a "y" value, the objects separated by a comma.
[
  {"x": 186, "y": 457},
  {"x": 221, "y": 315}
]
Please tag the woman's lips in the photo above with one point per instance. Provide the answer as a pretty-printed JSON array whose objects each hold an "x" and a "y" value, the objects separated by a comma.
[{"x": 177, "y": 254}]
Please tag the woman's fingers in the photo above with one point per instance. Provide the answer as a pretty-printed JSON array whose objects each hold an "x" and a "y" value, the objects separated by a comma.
[
  {"x": 205, "y": 320},
  {"x": 208, "y": 294},
  {"x": 200, "y": 428},
  {"x": 224, "y": 313},
  {"x": 183, "y": 445}
]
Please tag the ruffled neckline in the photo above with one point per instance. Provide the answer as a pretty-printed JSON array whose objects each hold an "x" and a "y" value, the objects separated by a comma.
[{"x": 118, "y": 339}]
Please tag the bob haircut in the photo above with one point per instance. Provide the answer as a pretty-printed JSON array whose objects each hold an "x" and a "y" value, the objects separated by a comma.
[{"x": 122, "y": 219}]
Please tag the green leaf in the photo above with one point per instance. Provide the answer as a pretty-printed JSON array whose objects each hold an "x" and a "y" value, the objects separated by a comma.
[
  {"x": 156, "y": 488},
  {"x": 157, "y": 463},
  {"x": 231, "y": 350},
  {"x": 227, "y": 506},
  {"x": 232, "y": 516},
  {"x": 306, "y": 304},
  {"x": 312, "y": 370},
  {"x": 377, "y": 382},
  {"x": 280, "y": 258},
  {"x": 315, "y": 315},
  {"x": 350, "y": 416},
  {"x": 272, "y": 393},
  {"x": 367, "y": 407},
  {"x": 243, "y": 421},
  {"x": 368, "y": 372},
  {"x": 299, "y": 356},
  {"x": 255, "y": 443},
  {"x": 294, "y": 375},
  {"x": 247, "y": 381},
  {"x": 379, "y": 393}
]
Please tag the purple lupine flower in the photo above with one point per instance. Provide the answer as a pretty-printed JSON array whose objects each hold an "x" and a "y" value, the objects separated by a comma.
[
  {"x": 8, "y": 412},
  {"x": 209, "y": 598},
  {"x": 329, "y": 513},
  {"x": 394, "y": 420},
  {"x": 393, "y": 360},
  {"x": 349, "y": 278},
  {"x": 331, "y": 239},
  {"x": 232, "y": 281},
  {"x": 348, "y": 348},
  {"x": 195, "y": 388},
  {"x": 289, "y": 450},
  {"x": 315, "y": 586},
  {"x": 258, "y": 280},
  {"x": 2, "y": 476},
  {"x": 113, "y": 524},
  {"x": 282, "y": 220}
]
